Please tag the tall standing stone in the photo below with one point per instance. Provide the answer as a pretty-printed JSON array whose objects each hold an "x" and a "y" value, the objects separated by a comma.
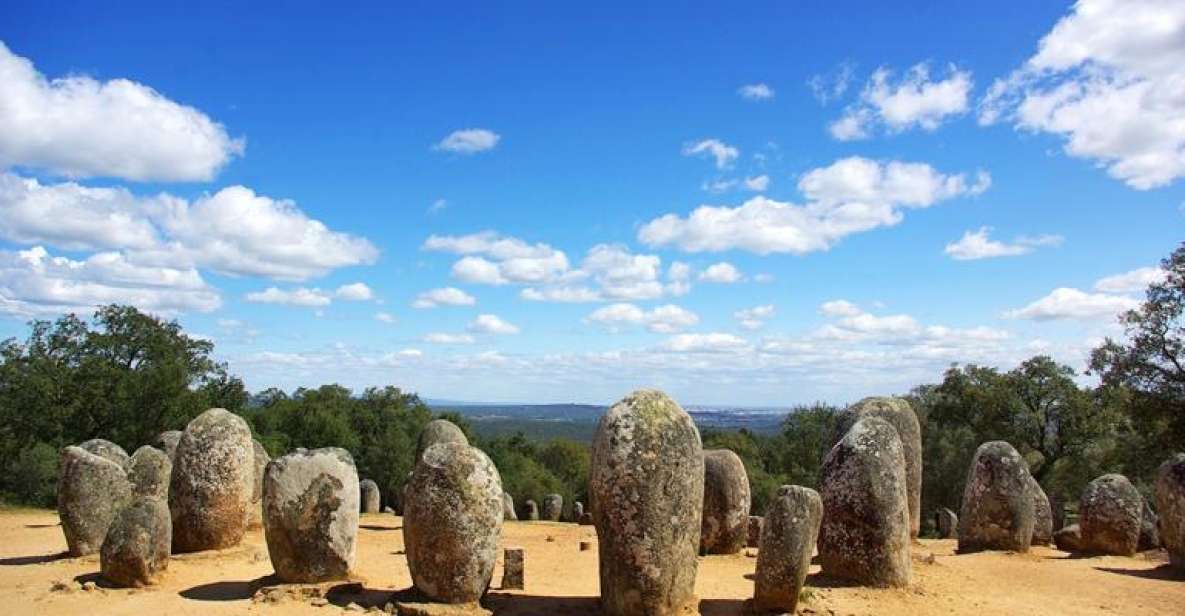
[
  {"x": 865, "y": 532},
  {"x": 212, "y": 483},
  {"x": 646, "y": 490},
  {"x": 997, "y": 511},
  {"x": 512, "y": 569},
  {"x": 136, "y": 548},
  {"x": 577, "y": 511},
  {"x": 1170, "y": 504},
  {"x": 106, "y": 449},
  {"x": 1110, "y": 513},
  {"x": 451, "y": 527},
  {"x": 310, "y": 521},
  {"x": 726, "y": 503},
  {"x": 91, "y": 491},
  {"x": 1149, "y": 529},
  {"x": 260, "y": 460},
  {"x": 508, "y": 512},
  {"x": 789, "y": 531},
  {"x": 1042, "y": 514},
  {"x": 167, "y": 442},
  {"x": 371, "y": 499},
  {"x": 530, "y": 511},
  {"x": 946, "y": 523},
  {"x": 150, "y": 471},
  {"x": 754, "y": 534},
  {"x": 902, "y": 417},
  {"x": 553, "y": 508},
  {"x": 439, "y": 431}
]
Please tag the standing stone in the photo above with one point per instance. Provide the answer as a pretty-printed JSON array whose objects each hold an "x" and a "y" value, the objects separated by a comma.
[
  {"x": 1110, "y": 514},
  {"x": 754, "y": 534},
  {"x": 1149, "y": 529},
  {"x": 167, "y": 442},
  {"x": 646, "y": 491},
  {"x": 788, "y": 537},
  {"x": 260, "y": 458},
  {"x": 136, "y": 548},
  {"x": 946, "y": 522},
  {"x": 512, "y": 569},
  {"x": 508, "y": 507},
  {"x": 91, "y": 491},
  {"x": 997, "y": 509},
  {"x": 451, "y": 527},
  {"x": 1042, "y": 514},
  {"x": 577, "y": 511},
  {"x": 1057, "y": 507},
  {"x": 726, "y": 503},
  {"x": 1170, "y": 504},
  {"x": 439, "y": 431},
  {"x": 864, "y": 536},
  {"x": 150, "y": 471},
  {"x": 107, "y": 449},
  {"x": 901, "y": 415},
  {"x": 310, "y": 521},
  {"x": 553, "y": 507},
  {"x": 586, "y": 519},
  {"x": 213, "y": 478},
  {"x": 1068, "y": 539},
  {"x": 370, "y": 496},
  {"x": 530, "y": 510}
]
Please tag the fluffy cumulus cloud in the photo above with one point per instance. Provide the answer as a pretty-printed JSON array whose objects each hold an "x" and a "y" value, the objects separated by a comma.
[
  {"x": 469, "y": 141},
  {"x": 721, "y": 273},
  {"x": 721, "y": 152},
  {"x": 756, "y": 92},
  {"x": 384, "y": 317},
  {"x": 850, "y": 196},
  {"x": 977, "y": 245},
  {"x": 491, "y": 258},
  {"x": 354, "y": 292},
  {"x": 755, "y": 317},
  {"x": 915, "y": 101},
  {"x": 446, "y": 296},
  {"x": 1112, "y": 295},
  {"x": 300, "y": 296},
  {"x": 1135, "y": 281},
  {"x": 713, "y": 342},
  {"x": 445, "y": 338},
  {"x": 491, "y": 324},
  {"x": 666, "y": 319},
  {"x": 839, "y": 308},
  {"x": 1109, "y": 79},
  {"x": 77, "y": 126}
]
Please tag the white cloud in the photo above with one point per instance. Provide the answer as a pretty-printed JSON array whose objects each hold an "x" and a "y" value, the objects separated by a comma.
[
  {"x": 447, "y": 296},
  {"x": 757, "y": 183},
  {"x": 79, "y": 127},
  {"x": 914, "y": 101},
  {"x": 1135, "y": 281},
  {"x": 438, "y": 206},
  {"x": 839, "y": 308},
  {"x": 491, "y": 324},
  {"x": 666, "y": 319},
  {"x": 71, "y": 216},
  {"x": 469, "y": 141},
  {"x": 704, "y": 343},
  {"x": 721, "y": 273},
  {"x": 384, "y": 317},
  {"x": 502, "y": 260},
  {"x": 756, "y": 92},
  {"x": 566, "y": 295},
  {"x": 355, "y": 292},
  {"x": 828, "y": 88},
  {"x": 977, "y": 245},
  {"x": 442, "y": 338},
  {"x": 755, "y": 317},
  {"x": 850, "y": 196},
  {"x": 723, "y": 153},
  {"x": 300, "y": 296},
  {"x": 1109, "y": 78},
  {"x": 1068, "y": 303},
  {"x": 622, "y": 274},
  {"x": 34, "y": 282}
]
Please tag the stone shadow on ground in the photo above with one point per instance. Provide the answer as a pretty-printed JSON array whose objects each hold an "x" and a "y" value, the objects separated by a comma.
[
  {"x": 37, "y": 559},
  {"x": 822, "y": 580},
  {"x": 379, "y": 528},
  {"x": 95, "y": 577},
  {"x": 722, "y": 607},
  {"x": 236, "y": 590},
  {"x": 354, "y": 592},
  {"x": 1163, "y": 572},
  {"x": 506, "y": 604}
]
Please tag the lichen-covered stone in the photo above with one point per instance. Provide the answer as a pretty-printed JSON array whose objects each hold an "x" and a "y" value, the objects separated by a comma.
[
  {"x": 899, "y": 413},
  {"x": 150, "y": 471},
  {"x": 107, "y": 449},
  {"x": 451, "y": 527},
  {"x": 577, "y": 511},
  {"x": 1042, "y": 514},
  {"x": 1109, "y": 514},
  {"x": 91, "y": 491},
  {"x": 213, "y": 479},
  {"x": 1149, "y": 529},
  {"x": 530, "y": 510},
  {"x": 726, "y": 503},
  {"x": 508, "y": 512},
  {"x": 136, "y": 548},
  {"x": 864, "y": 536},
  {"x": 439, "y": 431},
  {"x": 310, "y": 521},
  {"x": 512, "y": 569},
  {"x": 789, "y": 531},
  {"x": 646, "y": 490},
  {"x": 1068, "y": 538},
  {"x": 946, "y": 523},
  {"x": 553, "y": 508},
  {"x": 1170, "y": 505},
  {"x": 997, "y": 511},
  {"x": 371, "y": 498},
  {"x": 167, "y": 442},
  {"x": 260, "y": 460},
  {"x": 754, "y": 531}
]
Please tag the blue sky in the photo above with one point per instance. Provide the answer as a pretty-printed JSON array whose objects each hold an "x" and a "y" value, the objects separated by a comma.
[{"x": 761, "y": 205}]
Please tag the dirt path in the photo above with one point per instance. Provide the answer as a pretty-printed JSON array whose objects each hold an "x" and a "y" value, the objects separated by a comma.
[{"x": 560, "y": 579}]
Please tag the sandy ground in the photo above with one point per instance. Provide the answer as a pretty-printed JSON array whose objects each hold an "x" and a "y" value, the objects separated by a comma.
[{"x": 35, "y": 578}]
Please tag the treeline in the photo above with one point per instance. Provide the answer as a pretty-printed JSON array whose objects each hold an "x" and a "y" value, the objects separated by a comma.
[{"x": 126, "y": 376}]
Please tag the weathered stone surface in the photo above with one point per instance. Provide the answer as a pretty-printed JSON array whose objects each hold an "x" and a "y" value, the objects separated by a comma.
[
  {"x": 1170, "y": 505},
  {"x": 389, "y": 509},
  {"x": 1109, "y": 514},
  {"x": 789, "y": 531},
  {"x": 1042, "y": 514},
  {"x": 107, "y": 449},
  {"x": 586, "y": 519},
  {"x": 1068, "y": 539},
  {"x": 512, "y": 569},
  {"x": 726, "y": 503},
  {"x": 530, "y": 510},
  {"x": 310, "y": 521},
  {"x": 946, "y": 523},
  {"x": 1057, "y": 507},
  {"x": 997, "y": 511},
  {"x": 646, "y": 491},
  {"x": 260, "y": 459},
  {"x": 864, "y": 536},
  {"x": 439, "y": 431},
  {"x": 901, "y": 416},
  {"x": 136, "y": 548},
  {"x": 213, "y": 479},
  {"x": 553, "y": 507},
  {"x": 167, "y": 442},
  {"x": 1149, "y": 529},
  {"x": 508, "y": 512},
  {"x": 577, "y": 511},
  {"x": 451, "y": 527},
  {"x": 150, "y": 471},
  {"x": 754, "y": 531},
  {"x": 371, "y": 498},
  {"x": 91, "y": 491}
]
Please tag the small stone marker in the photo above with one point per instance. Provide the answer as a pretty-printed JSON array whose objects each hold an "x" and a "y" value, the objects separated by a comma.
[
  {"x": 512, "y": 569},
  {"x": 754, "y": 538}
]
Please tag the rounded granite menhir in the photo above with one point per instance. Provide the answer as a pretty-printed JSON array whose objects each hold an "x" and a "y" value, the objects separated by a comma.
[
  {"x": 212, "y": 483},
  {"x": 726, "y": 503}
]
